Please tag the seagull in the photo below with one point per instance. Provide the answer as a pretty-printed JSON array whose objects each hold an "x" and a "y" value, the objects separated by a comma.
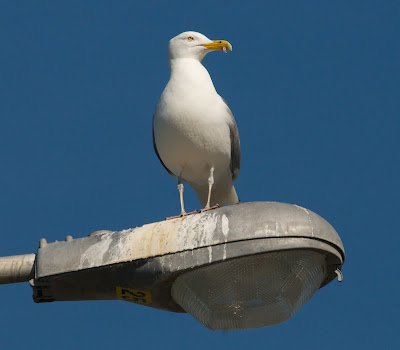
[{"x": 195, "y": 135}]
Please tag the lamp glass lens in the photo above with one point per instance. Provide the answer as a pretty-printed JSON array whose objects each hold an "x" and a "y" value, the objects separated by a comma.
[{"x": 252, "y": 291}]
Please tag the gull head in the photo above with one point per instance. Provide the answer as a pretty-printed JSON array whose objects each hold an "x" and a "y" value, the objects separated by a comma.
[{"x": 195, "y": 45}]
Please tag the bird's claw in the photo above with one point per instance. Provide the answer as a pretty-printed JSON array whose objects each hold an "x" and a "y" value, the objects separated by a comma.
[
  {"x": 209, "y": 208},
  {"x": 192, "y": 212},
  {"x": 182, "y": 215}
]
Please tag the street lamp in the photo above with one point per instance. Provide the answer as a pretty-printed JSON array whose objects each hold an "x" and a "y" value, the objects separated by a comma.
[{"x": 242, "y": 266}]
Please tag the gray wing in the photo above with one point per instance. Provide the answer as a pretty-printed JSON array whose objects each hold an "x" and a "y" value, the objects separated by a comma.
[
  {"x": 235, "y": 144},
  {"x": 158, "y": 155}
]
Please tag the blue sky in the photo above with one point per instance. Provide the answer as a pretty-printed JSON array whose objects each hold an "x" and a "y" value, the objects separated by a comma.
[{"x": 314, "y": 88}]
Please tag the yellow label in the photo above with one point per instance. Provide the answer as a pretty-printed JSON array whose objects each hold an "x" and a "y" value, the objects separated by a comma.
[{"x": 133, "y": 295}]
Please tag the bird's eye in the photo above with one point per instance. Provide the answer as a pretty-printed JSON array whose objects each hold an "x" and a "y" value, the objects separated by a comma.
[{"x": 190, "y": 38}]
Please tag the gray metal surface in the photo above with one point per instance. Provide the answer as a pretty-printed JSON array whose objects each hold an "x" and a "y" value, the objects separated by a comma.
[
  {"x": 16, "y": 268},
  {"x": 141, "y": 264},
  {"x": 147, "y": 260},
  {"x": 244, "y": 221}
]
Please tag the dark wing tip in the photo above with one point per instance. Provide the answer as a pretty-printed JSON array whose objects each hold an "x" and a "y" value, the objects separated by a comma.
[{"x": 235, "y": 144}]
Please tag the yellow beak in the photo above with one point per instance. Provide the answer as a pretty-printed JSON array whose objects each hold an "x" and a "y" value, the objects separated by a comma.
[{"x": 219, "y": 45}]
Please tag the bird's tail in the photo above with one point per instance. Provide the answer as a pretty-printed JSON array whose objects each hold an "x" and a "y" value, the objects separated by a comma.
[{"x": 221, "y": 196}]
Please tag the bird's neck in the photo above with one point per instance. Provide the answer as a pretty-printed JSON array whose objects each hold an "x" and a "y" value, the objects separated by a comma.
[{"x": 190, "y": 73}]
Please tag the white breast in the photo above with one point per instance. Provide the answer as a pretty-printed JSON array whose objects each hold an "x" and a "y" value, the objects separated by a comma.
[{"x": 190, "y": 125}]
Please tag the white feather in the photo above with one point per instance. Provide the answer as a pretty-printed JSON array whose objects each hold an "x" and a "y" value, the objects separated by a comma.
[{"x": 191, "y": 124}]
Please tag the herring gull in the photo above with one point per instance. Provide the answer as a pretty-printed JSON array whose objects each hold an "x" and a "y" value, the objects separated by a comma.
[{"x": 194, "y": 132}]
